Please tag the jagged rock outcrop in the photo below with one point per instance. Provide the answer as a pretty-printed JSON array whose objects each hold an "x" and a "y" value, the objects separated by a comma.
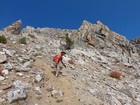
[
  {"x": 101, "y": 37},
  {"x": 101, "y": 34},
  {"x": 14, "y": 28}
]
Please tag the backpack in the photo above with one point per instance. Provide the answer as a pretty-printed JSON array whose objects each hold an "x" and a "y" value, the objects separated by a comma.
[{"x": 57, "y": 58}]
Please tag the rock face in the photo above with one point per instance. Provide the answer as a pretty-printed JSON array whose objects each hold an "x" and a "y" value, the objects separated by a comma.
[
  {"x": 14, "y": 28},
  {"x": 100, "y": 36},
  {"x": 136, "y": 42},
  {"x": 86, "y": 80}
]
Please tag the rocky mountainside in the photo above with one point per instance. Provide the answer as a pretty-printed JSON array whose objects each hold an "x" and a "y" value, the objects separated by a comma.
[
  {"x": 136, "y": 42},
  {"x": 103, "y": 67}
]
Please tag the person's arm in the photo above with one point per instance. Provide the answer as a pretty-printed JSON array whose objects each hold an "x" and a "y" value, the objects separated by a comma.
[{"x": 63, "y": 63}]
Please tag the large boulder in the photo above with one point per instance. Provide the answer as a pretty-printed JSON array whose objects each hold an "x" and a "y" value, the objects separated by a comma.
[{"x": 17, "y": 92}]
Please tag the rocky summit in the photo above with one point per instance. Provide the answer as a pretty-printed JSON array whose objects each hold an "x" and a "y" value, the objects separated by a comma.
[{"x": 102, "y": 67}]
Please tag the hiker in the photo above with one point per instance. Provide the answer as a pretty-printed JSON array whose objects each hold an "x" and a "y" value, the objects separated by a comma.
[{"x": 57, "y": 59}]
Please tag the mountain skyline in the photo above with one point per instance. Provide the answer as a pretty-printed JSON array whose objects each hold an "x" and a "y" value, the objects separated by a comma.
[{"x": 121, "y": 17}]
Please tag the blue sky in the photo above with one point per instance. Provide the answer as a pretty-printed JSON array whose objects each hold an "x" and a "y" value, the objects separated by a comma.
[{"x": 121, "y": 16}]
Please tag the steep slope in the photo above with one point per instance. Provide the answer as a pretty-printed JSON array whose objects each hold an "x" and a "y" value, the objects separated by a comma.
[{"x": 97, "y": 52}]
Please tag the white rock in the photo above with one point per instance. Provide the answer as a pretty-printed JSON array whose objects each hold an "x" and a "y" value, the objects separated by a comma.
[
  {"x": 94, "y": 91},
  {"x": 5, "y": 72},
  {"x": 61, "y": 93},
  {"x": 54, "y": 93},
  {"x": 27, "y": 64},
  {"x": 1, "y": 78},
  {"x": 9, "y": 52},
  {"x": 3, "y": 57},
  {"x": 37, "y": 90},
  {"x": 20, "y": 74},
  {"x": 39, "y": 56},
  {"x": 38, "y": 78}
]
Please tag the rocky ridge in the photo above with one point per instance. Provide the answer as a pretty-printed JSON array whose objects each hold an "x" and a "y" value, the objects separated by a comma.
[{"x": 97, "y": 51}]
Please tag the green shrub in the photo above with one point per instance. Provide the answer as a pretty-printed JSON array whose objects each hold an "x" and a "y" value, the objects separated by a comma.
[
  {"x": 69, "y": 42},
  {"x": 22, "y": 40},
  {"x": 99, "y": 31},
  {"x": 3, "y": 39}
]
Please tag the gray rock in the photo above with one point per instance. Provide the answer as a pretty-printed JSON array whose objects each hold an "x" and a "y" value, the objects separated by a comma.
[
  {"x": 8, "y": 66},
  {"x": 20, "y": 74},
  {"x": 21, "y": 68},
  {"x": 17, "y": 92},
  {"x": 37, "y": 90},
  {"x": 9, "y": 52},
  {"x": 136, "y": 96},
  {"x": 27, "y": 64},
  {"x": 38, "y": 78},
  {"x": 54, "y": 93}
]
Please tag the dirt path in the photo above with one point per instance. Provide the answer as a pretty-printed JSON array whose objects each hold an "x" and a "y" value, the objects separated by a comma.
[{"x": 61, "y": 82}]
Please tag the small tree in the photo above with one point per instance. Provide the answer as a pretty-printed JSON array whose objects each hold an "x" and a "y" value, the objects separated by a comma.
[
  {"x": 3, "y": 39},
  {"x": 69, "y": 42},
  {"x": 22, "y": 40}
]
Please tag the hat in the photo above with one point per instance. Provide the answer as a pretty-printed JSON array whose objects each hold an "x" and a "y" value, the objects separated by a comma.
[{"x": 63, "y": 52}]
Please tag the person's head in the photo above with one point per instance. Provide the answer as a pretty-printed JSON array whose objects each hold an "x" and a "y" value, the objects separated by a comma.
[{"x": 63, "y": 53}]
